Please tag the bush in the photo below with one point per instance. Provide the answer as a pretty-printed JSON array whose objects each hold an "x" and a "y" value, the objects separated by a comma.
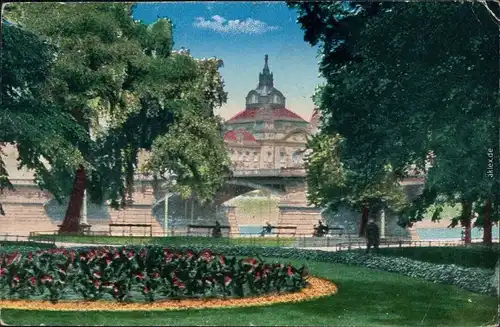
[
  {"x": 154, "y": 272},
  {"x": 461, "y": 256},
  {"x": 472, "y": 279}
]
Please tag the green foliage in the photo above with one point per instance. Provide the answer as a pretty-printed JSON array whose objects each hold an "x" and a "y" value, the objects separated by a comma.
[
  {"x": 113, "y": 71},
  {"x": 460, "y": 256},
  {"x": 433, "y": 92},
  {"x": 331, "y": 183},
  {"x": 473, "y": 279},
  {"x": 157, "y": 273},
  {"x": 42, "y": 131}
]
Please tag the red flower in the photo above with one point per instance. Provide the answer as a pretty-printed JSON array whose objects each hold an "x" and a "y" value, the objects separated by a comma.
[
  {"x": 108, "y": 261},
  {"x": 189, "y": 254},
  {"x": 32, "y": 280},
  {"x": 30, "y": 256},
  {"x": 227, "y": 280},
  {"x": 256, "y": 276},
  {"x": 72, "y": 256},
  {"x": 142, "y": 254},
  {"x": 265, "y": 269},
  {"x": 146, "y": 290},
  {"x": 116, "y": 255},
  {"x": 156, "y": 274},
  {"x": 251, "y": 261},
  {"x": 221, "y": 260},
  {"x": 96, "y": 283},
  {"x": 289, "y": 271},
  {"x": 46, "y": 278},
  {"x": 139, "y": 276},
  {"x": 179, "y": 284},
  {"x": 83, "y": 256},
  {"x": 116, "y": 289},
  {"x": 2, "y": 272},
  {"x": 15, "y": 278},
  {"x": 130, "y": 255}
]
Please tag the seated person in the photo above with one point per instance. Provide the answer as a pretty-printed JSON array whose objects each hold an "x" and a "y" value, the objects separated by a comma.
[
  {"x": 321, "y": 229},
  {"x": 267, "y": 229},
  {"x": 216, "y": 232}
]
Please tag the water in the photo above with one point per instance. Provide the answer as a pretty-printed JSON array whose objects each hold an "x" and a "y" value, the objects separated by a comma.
[
  {"x": 250, "y": 229},
  {"x": 450, "y": 233},
  {"x": 423, "y": 233}
]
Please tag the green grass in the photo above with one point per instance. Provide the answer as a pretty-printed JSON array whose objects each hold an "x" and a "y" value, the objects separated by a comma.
[
  {"x": 366, "y": 298},
  {"x": 171, "y": 240},
  {"x": 481, "y": 257}
]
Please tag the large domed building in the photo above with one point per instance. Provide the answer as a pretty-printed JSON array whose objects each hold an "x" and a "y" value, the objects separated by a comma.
[{"x": 266, "y": 134}]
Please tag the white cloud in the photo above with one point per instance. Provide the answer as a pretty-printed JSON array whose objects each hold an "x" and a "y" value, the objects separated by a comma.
[{"x": 220, "y": 24}]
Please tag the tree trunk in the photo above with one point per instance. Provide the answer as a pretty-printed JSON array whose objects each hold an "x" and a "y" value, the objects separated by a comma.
[
  {"x": 466, "y": 221},
  {"x": 364, "y": 221},
  {"x": 71, "y": 222},
  {"x": 487, "y": 226}
]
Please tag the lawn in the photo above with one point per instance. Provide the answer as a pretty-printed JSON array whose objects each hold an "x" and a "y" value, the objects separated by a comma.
[
  {"x": 171, "y": 240},
  {"x": 366, "y": 298}
]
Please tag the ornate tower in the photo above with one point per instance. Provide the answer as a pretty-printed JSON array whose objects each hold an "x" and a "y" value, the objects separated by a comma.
[{"x": 265, "y": 93}]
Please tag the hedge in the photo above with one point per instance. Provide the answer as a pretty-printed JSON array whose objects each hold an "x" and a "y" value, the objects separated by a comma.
[{"x": 461, "y": 256}]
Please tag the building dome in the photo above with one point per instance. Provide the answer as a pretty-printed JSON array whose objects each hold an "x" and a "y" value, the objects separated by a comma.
[{"x": 265, "y": 94}]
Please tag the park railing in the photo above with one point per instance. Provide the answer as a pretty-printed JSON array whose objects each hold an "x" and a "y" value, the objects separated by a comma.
[
  {"x": 20, "y": 240},
  {"x": 335, "y": 243}
]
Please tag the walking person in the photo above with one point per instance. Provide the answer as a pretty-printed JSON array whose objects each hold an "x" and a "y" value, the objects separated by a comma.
[{"x": 372, "y": 235}]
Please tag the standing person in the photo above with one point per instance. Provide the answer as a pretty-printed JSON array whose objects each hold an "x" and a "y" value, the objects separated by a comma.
[
  {"x": 372, "y": 235},
  {"x": 217, "y": 231}
]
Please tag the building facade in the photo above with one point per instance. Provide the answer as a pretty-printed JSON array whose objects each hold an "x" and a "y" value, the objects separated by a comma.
[{"x": 267, "y": 135}]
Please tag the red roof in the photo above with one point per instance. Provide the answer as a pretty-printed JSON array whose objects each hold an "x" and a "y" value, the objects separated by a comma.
[
  {"x": 277, "y": 114},
  {"x": 232, "y": 136}
]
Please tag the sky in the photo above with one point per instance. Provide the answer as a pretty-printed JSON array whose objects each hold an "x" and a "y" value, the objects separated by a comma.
[{"x": 241, "y": 33}]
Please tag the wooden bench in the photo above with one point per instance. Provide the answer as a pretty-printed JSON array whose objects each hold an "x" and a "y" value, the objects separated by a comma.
[
  {"x": 282, "y": 230},
  {"x": 208, "y": 228},
  {"x": 336, "y": 231},
  {"x": 83, "y": 229},
  {"x": 150, "y": 226}
]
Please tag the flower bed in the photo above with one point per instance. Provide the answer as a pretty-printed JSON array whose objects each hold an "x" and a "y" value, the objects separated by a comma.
[{"x": 135, "y": 273}]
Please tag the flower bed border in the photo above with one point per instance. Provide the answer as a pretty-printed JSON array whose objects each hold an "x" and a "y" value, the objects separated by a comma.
[{"x": 318, "y": 287}]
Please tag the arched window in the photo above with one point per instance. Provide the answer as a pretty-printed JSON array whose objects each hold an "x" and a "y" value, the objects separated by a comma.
[
  {"x": 276, "y": 99},
  {"x": 254, "y": 98}
]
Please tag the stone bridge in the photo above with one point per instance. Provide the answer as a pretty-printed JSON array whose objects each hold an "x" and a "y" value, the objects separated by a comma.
[{"x": 289, "y": 184}]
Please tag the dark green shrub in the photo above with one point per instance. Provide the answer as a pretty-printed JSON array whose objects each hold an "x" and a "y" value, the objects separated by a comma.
[{"x": 461, "y": 256}]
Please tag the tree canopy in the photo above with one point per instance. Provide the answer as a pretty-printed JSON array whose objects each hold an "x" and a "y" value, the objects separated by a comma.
[
  {"x": 404, "y": 79},
  {"x": 121, "y": 81}
]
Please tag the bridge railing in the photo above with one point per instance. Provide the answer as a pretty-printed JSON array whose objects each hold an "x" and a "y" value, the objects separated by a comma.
[{"x": 282, "y": 172}]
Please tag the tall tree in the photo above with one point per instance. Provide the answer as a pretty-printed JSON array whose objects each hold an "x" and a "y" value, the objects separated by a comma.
[
  {"x": 113, "y": 70},
  {"x": 393, "y": 109}
]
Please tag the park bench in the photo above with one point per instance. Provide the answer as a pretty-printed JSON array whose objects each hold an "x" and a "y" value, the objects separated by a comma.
[
  {"x": 150, "y": 226},
  {"x": 282, "y": 230},
  {"x": 84, "y": 228},
  {"x": 336, "y": 230},
  {"x": 208, "y": 228}
]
